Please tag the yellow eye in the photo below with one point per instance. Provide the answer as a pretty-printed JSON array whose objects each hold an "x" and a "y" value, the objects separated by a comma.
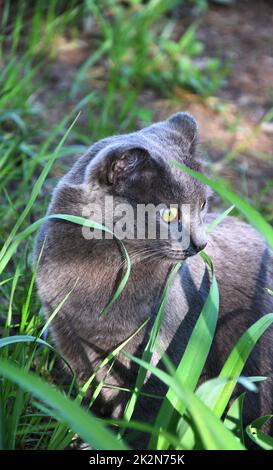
[
  {"x": 203, "y": 205},
  {"x": 169, "y": 215}
]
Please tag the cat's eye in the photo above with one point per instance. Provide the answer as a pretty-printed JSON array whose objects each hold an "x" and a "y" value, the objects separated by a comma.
[
  {"x": 202, "y": 205},
  {"x": 169, "y": 215}
]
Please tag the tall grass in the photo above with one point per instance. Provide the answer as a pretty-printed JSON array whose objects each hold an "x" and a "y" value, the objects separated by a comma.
[{"x": 36, "y": 410}]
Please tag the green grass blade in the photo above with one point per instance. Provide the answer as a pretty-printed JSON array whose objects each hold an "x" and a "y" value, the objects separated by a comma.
[
  {"x": 148, "y": 351},
  {"x": 26, "y": 305},
  {"x": 192, "y": 362},
  {"x": 11, "y": 299},
  {"x": 2, "y": 418},
  {"x": 234, "y": 418},
  {"x": 145, "y": 428},
  {"x": 10, "y": 340},
  {"x": 110, "y": 356},
  {"x": 254, "y": 432},
  {"x": 208, "y": 393},
  {"x": 23, "y": 339},
  {"x": 218, "y": 220},
  {"x": 76, "y": 220},
  {"x": 237, "y": 359},
  {"x": 212, "y": 431},
  {"x": 56, "y": 311},
  {"x": 82, "y": 422}
]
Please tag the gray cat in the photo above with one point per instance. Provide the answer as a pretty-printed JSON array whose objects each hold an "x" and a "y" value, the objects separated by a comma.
[{"x": 135, "y": 168}]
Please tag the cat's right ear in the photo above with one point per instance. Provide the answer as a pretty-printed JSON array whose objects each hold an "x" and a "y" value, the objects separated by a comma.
[
  {"x": 130, "y": 164},
  {"x": 122, "y": 167}
]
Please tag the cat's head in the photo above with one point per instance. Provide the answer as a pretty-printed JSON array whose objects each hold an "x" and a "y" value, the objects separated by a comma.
[{"x": 136, "y": 173}]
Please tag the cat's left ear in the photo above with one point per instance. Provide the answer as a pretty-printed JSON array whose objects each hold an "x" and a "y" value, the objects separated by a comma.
[{"x": 187, "y": 127}]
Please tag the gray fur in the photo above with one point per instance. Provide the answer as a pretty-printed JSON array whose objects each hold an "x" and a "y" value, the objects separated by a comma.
[{"x": 243, "y": 265}]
